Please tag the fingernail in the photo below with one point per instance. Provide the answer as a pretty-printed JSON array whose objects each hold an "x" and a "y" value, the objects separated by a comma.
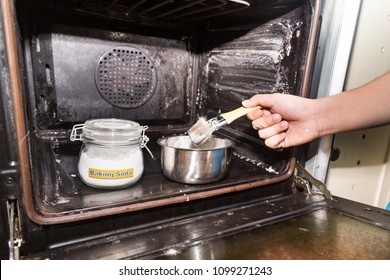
[
  {"x": 284, "y": 124},
  {"x": 245, "y": 102},
  {"x": 277, "y": 118}
]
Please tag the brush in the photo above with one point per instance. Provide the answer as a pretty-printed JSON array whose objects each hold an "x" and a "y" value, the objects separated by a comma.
[{"x": 202, "y": 130}]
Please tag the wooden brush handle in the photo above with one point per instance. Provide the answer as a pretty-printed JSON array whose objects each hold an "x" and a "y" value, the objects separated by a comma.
[{"x": 239, "y": 112}]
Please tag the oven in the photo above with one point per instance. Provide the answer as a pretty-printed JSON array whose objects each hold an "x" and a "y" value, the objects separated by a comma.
[{"x": 163, "y": 65}]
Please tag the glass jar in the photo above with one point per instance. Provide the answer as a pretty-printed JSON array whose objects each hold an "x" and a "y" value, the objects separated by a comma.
[{"x": 111, "y": 156}]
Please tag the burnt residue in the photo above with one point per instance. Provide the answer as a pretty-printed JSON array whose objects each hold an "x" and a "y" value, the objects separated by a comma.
[
  {"x": 50, "y": 174},
  {"x": 254, "y": 62},
  {"x": 234, "y": 64},
  {"x": 166, "y": 13},
  {"x": 66, "y": 91},
  {"x": 42, "y": 80},
  {"x": 266, "y": 59},
  {"x": 208, "y": 14}
]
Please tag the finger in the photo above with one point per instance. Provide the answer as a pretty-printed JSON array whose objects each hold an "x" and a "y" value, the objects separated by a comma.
[
  {"x": 273, "y": 130},
  {"x": 276, "y": 141},
  {"x": 266, "y": 113},
  {"x": 255, "y": 114},
  {"x": 267, "y": 120}
]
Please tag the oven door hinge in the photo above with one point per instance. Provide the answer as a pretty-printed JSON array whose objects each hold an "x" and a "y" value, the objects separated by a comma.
[
  {"x": 303, "y": 179},
  {"x": 15, "y": 232}
]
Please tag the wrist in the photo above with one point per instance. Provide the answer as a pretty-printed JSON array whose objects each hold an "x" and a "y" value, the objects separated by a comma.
[{"x": 327, "y": 116}]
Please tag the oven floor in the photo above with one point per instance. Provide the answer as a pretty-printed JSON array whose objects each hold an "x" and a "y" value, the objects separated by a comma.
[{"x": 60, "y": 192}]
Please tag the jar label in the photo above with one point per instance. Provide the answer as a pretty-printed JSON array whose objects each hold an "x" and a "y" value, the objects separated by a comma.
[{"x": 110, "y": 174}]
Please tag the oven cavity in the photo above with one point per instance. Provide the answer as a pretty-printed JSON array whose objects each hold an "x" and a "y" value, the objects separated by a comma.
[{"x": 161, "y": 67}]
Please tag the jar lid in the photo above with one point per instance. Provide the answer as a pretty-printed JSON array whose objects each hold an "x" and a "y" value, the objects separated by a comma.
[{"x": 111, "y": 131}]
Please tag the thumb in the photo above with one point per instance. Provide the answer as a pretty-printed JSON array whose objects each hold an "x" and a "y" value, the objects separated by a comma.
[
  {"x": 263, "y": 100},
  {"x": 249, "y": 103}
]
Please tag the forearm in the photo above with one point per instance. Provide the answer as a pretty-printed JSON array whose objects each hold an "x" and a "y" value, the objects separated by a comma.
[{"x": 366, "y": 106}]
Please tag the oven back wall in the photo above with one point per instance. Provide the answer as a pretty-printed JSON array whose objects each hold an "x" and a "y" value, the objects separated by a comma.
[{"x": 82, "y": 73}]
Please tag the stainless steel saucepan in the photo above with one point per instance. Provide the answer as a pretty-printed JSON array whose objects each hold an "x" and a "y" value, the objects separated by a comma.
[{"x": 184, "y": 162}]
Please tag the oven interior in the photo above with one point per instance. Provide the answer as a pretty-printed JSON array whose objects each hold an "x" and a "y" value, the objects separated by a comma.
[{"x": 162, "y": 65}]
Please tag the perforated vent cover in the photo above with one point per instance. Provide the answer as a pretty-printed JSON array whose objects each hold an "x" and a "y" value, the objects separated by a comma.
[{"x": 125, "y": 77}]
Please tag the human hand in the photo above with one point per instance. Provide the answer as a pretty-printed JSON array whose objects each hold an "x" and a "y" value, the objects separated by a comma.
[{"x": 284, "y": 120}]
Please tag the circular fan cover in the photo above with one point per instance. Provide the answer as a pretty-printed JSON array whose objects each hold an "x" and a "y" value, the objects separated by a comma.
[{"x": 125, "y": 77}]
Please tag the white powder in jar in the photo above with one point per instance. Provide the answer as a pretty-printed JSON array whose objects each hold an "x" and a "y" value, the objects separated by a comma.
[{"x": 110, "y": 167}]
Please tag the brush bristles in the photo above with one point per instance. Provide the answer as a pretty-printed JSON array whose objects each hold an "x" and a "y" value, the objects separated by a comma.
[{"x": 201, "y": 131}]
